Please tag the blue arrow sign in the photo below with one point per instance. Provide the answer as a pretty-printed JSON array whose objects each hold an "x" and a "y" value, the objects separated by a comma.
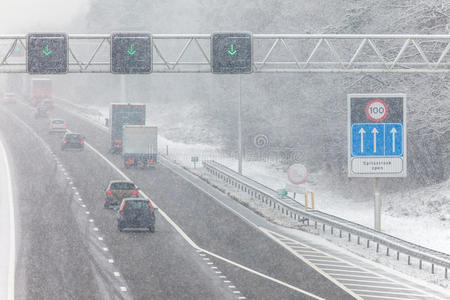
[
  {"x": 372, "y": 139},
  {"x": 394, "y": 140}
]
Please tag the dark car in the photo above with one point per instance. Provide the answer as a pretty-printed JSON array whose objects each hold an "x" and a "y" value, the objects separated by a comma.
[
  {"x": 72, "y": 141},
  {"x": 41, "y": 112},
  {"x": 136, "y": 213},
  {"x": 48, "y": 104},
  {"x": 117, "y": 190}
]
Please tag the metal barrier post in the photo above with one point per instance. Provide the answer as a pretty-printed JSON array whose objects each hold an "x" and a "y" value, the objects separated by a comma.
[{"x": 307, "y": 198}]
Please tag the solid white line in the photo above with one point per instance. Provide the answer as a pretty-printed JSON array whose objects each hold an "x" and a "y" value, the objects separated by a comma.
[
  {"x": 368, "y": 281},
  {"x": 378, "y": 286},
  {"x": 393, "y": 293},
  {"x": 264, "y": 276},
  {"x": 339, "y": 276},
  {"x": 12, "y": 230},
  {"x": 334, "y": 265},
  {"x": 383, "y": 297},
  {"x": 344, "y": 271},
  {"x": 194, "y": 245}
]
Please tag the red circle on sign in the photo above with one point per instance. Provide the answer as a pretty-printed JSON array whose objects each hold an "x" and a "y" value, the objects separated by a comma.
[{"x": 376, "y": 116}]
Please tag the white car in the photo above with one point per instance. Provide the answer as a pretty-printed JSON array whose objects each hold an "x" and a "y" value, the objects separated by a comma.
[
  {"x": 9, "y": 98},
  {"x": 57, "y": 125}
]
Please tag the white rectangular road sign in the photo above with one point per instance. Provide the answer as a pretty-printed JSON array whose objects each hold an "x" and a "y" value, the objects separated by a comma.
[{"x": 376, "y": 135}]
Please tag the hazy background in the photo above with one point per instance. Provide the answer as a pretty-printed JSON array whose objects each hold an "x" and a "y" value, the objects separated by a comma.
[{"x": 305, "y": 112}]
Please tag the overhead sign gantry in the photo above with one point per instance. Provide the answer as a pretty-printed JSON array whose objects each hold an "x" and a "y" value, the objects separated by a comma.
[{"x": 238, "y": 52}]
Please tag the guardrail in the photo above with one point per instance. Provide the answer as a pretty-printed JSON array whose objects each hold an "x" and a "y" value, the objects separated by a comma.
[{"x": 297, "y": 211}]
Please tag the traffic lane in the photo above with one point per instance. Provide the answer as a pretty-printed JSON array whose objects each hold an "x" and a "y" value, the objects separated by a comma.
[
  {"x": 160, "y": 265},
  {"x": 7, "y": 238},
  {"x": 215, "y": 228},
  {"x": 52, "y": 261}
]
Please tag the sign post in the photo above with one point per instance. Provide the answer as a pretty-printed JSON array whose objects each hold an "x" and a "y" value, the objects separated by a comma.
[
  {"x": 377, "y": 139},
  {"x": 297, "y": 174},
  {"x": 194, "y": 159}
]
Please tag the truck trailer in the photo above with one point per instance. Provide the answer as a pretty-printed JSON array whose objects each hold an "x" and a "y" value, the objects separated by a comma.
[
  {"x": 41, "y": 88},
  {"x": 121, "y": 114},
  {"x": 140, "y": 146}
]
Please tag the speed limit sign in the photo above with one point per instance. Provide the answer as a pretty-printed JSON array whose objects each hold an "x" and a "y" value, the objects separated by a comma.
[{"x": 377, "y": 110}]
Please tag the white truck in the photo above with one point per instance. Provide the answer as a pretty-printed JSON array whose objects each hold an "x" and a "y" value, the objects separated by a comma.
[{"x": 140, "y": 146}]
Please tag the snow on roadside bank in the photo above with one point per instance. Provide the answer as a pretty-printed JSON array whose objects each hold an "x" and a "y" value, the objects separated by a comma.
[{"x": 421, "y": 216}]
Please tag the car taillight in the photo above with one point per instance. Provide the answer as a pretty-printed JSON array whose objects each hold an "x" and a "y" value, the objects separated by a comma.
[
  {"x": 109, "y": 192},
  {"x": 65, "y": 142},
  {"x": 65, "y": 124},
  {"x": 151, "y": 207},
  {"x": 122, "y": 207},
  {"x": 135, "y": 192},
  {"x": 151, "y": 160},
  {"x": 129, "y": 161},
  {"x": 81, "y": 142}
]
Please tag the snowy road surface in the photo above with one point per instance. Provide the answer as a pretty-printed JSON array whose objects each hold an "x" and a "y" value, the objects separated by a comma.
[{"x": 7, "y": 233}]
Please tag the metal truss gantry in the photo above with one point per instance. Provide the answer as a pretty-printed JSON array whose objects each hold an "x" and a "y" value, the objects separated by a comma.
[{"x": 272, "y": 53}]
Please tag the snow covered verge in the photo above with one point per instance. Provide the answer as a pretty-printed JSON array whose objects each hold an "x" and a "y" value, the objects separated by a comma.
[{"x": 420, "y": 216}]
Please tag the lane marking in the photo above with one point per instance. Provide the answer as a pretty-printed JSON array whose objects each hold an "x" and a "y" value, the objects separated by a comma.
[
  {"x": 313, "y": 266},
  {"x": 367, "y": 281},
  {"x": 369, "y": 272},
  {"x": 12, "y": 229},
  {"x": 344, "y": 271},
  {"x": 389, "y": 293},
  {"x": 192, "y": 243},
  {"x": 379, "y": 286},
  {"x": 384, "y": 297},
  {"x": 47, "y": 148}
]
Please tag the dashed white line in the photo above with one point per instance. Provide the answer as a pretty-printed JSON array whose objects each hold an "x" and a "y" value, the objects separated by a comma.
[
  {"x": 117, "y": 274},
  {"x": 193, "y": 244}
]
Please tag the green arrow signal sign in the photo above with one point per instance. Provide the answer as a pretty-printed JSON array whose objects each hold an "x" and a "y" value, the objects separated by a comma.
[
  {"x": 131, "y": 51},
  {"x": 46, "y": 51},
  {"x": 231, "y": 51}
]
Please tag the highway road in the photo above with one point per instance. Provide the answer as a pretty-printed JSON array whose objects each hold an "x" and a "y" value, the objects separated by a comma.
[
  {"x": 67, "y": 244},
  {"x": 57, "y": 253}
]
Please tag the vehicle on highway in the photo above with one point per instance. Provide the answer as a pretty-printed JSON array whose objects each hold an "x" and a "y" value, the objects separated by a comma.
[
  {"x": 57, "y": 125},
  {"x": 117, "y": 190},
  {"x": 40, "y": 112},
  {"x": 136, "y": 213},
  {"x": 121, "y": 114},
  {"x": 9, "y": 98},
  {"x": 48, "y": 104},
  {"x": 140, "y": 148},
  {"x": 41, "y": 89},
  {"x": 72, "y": 141}
]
